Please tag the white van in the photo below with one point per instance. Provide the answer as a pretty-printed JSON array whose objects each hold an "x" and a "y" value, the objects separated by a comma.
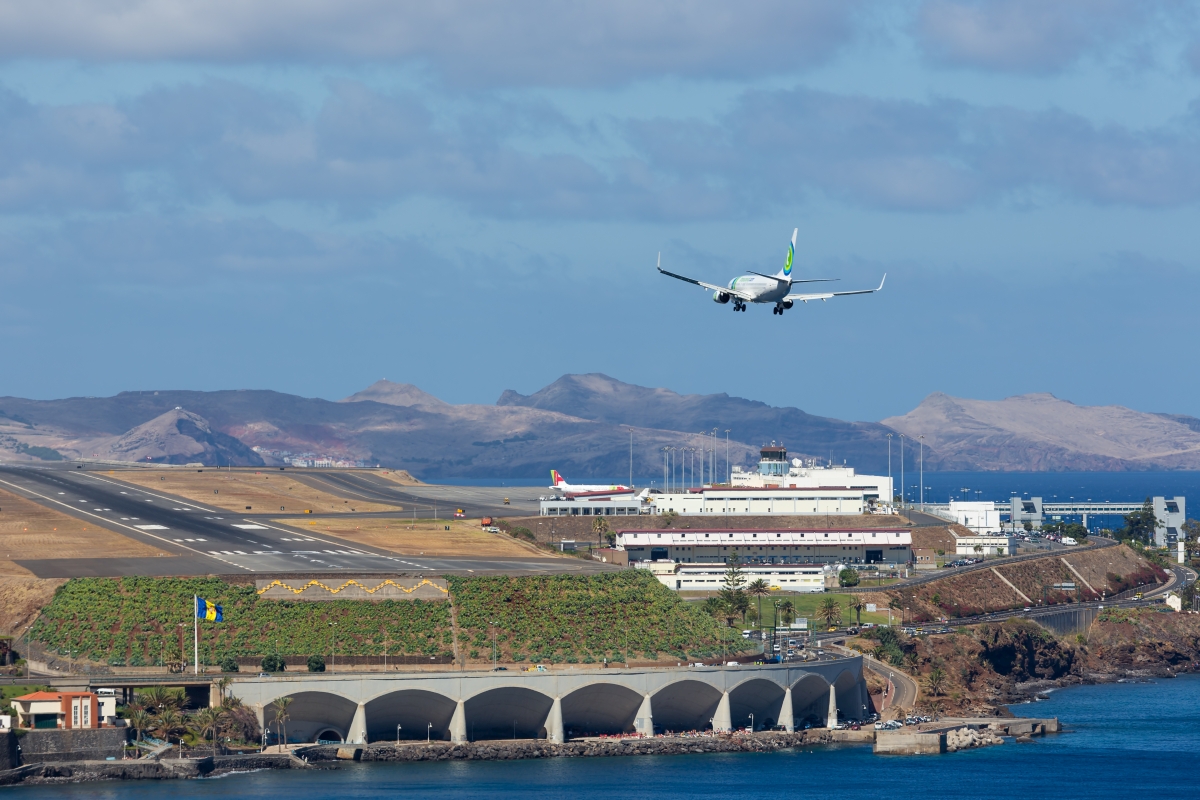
[{"x": 1069, "y": 540}]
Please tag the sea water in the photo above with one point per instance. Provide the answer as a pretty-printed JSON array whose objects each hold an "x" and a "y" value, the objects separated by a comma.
[{"x": 1123, "y": 740}]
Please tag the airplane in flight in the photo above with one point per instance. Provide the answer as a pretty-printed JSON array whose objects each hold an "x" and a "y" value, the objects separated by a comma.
[
  {"x": 559, "y": 482},
  {"x": 759, "y": 288}
]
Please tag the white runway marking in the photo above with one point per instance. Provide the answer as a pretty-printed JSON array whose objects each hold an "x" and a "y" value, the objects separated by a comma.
[
  {"x": 152, "y": 527},
  {"x": 250, "y": 527}
]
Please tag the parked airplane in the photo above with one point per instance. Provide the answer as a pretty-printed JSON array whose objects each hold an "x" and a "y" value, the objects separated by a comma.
[
  {"x": 759, "y": 288},
  {"x": 559, "y": 482}
]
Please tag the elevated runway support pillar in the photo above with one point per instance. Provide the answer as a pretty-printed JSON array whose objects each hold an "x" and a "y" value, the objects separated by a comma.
[
  {"x": 831, "y": 716},
  {"x": 786, "y": 720},
  {"x": 458, "y": 724},
  {"x": 358, "y": 728},
  {"x": 721, "y": 720},
  {"x": 554, "y": 723},
  {"x": 643, "y": 723}
]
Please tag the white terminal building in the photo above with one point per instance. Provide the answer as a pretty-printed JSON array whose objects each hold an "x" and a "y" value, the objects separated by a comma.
[
  {"x": 774, "y": 471},
  {"x": 885, "y": 547},
  {"x": 745, "y": 500},
  {"x": 711, "y": 577}
]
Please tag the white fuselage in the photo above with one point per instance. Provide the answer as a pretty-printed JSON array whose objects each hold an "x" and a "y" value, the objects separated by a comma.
[
  {"x": 576, "y": 488},
  {"x": 762, "y": 290}
]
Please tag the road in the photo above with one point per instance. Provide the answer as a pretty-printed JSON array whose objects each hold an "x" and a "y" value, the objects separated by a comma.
[{"x": 205, "y": 540}]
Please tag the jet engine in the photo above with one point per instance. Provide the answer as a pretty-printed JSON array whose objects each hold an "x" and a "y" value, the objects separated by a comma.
[
  {"x": 721, "y": 297},
  {"x": 785, "y": 304}
]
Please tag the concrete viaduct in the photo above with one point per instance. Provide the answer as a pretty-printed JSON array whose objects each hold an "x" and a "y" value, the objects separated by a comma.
[{"x": 556, "y": 705}]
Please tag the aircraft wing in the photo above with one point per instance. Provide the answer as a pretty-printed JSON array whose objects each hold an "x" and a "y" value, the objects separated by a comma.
[
  {"x": 711, "y": 287},
  {"x": 804, "y": 298}
]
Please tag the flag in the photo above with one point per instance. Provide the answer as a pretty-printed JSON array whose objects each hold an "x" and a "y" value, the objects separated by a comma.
[{"x": 209, "y": 611}]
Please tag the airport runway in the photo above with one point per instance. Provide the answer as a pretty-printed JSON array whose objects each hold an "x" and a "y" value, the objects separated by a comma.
[
  {"x": 476, "y": 501},
  {"x": 207, "y": 540}
]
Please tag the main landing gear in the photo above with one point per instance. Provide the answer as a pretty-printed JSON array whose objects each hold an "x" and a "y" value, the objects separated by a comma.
[
  {"x": 777, "y": 310},
  {"x": 738, "y": 305}
]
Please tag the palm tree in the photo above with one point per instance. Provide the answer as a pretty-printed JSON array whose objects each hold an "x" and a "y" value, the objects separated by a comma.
[
  {"x": 223, "y": 684},
  {"x": 141, "y": 721},
  {"x": 936, "y": 681},
  {"x": 280, "y": 706},
  {"x": 167, "y": 722},
  {"x": 830, "y": 611},
  {"x": 858, "y": 604},
  {"x": 758, "y": 588},
  {"x": 156, "y": 698},
  {"x": 177, "y": 696},
  {"x": 206, "y": 721},
  {"x": 600, "y": 527},
  {"x": 787, "y": 612},
  {"x": 978, "y": 549}
]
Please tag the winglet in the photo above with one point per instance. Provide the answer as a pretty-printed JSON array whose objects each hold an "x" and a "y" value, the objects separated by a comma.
[
  {"x": 884, "y": 278},
  {"x": 659, "y": 264}
]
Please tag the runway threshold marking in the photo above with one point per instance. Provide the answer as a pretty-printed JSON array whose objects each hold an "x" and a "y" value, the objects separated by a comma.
[{"x": 129, "y": 527}]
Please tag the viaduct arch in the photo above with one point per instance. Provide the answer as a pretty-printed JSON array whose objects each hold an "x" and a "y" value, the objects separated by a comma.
[{"x": 467, "y": 706}]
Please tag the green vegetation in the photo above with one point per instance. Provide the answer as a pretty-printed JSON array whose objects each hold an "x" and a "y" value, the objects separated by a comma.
[
  {"x": 316, "y": 664},
  {"x": 133, "y": 622},
  {"x": 848, "y": 577},
  {"x": 37, "y": 451},
  {"x": 1139, "y": 526},
  {"x": 582, "y": 619}
]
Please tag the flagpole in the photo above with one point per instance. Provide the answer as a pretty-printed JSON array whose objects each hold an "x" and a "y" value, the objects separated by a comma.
[{"x": 196, "y": 633}]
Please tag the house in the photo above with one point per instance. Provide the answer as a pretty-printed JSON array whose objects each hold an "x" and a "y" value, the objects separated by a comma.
[{"x": 66, "y": 710}]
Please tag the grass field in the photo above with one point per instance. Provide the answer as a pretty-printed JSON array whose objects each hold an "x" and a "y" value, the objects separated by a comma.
[
  {"x": 263, "y": 491},
  {"x": 806, "y": 605},
  {"x": 424, "y": 537},
  {"x": 29, "y": 530}
]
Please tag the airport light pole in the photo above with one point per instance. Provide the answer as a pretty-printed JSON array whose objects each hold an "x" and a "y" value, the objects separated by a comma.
[
  {"x": 903, "y": 488},
  {"x": 728, "y": 466},
  {"x": 631, "y": 458},
  {"x": 921, "y": 441},
  {"x": 889, "y": 438}
]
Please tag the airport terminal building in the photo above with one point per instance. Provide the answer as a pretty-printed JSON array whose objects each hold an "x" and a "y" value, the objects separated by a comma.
[
  {"x": 885, "y": 547},
  {"x": 754, "y": 501}
]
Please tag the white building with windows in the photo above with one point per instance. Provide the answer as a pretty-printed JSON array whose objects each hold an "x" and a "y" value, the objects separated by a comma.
[
  {"x": 982, "y": 518},
  {"x": 745, "y": 500},
  {"x": 886, "y": 547},
  {"x": 774, "y": 470},
  {"x": 711, "y": 577}
]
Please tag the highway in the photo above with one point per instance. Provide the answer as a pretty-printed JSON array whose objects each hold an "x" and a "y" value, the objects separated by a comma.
[{"x": 204, "y": 540}]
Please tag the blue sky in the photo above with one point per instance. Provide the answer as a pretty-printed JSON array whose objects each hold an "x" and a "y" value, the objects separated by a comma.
[{"x": 470, "y": 197}]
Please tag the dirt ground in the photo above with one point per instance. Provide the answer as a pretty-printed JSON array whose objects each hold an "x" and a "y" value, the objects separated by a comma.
[
  {"x": 935, "y": 539},
  {"x": 21, "y": 599},
  {"x": 263, "y": 491},
  {"x": 399, "y": 476},
  {"x": 29, "y": 530},
  {"x": 428, "y": 538}
]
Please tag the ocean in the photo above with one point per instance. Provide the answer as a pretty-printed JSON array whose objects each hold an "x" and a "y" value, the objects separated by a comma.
[{"x": 1126, "y": 738}]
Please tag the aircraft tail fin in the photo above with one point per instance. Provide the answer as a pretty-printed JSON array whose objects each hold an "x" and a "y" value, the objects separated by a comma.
[
  {"x": 786, "y": 272},
  {"x": 555, "y": 478}
]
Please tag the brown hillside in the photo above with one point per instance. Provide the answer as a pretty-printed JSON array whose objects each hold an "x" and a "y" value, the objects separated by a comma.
[{"x": 981, "y": 591}]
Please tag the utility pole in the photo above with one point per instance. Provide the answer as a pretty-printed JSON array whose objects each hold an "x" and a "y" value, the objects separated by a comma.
[
  {"x": 893, "y": 490},
  {"x": 903, "y": 489}
]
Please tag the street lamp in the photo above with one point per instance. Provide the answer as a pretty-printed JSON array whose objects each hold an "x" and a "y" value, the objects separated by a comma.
[
  {"x": 921, "y": 440},
  {"x": 397, "y": 736},
  {"x": 428, "y": 731},
  {"x": 752, "y": 723},
  {"x": 492, "y": 622},
  {"x": 333, "y": 651},
  {"x": 903, "y": 487}
]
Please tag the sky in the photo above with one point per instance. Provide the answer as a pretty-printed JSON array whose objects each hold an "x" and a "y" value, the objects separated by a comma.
[{"x": 471, "y": 197}]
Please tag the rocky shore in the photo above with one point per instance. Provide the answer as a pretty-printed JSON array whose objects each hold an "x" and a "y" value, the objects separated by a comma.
[
  {"x": 587, "y": 748},
  {"x": 967, "y": 738}
]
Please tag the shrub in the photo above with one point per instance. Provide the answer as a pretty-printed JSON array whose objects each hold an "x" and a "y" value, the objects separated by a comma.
[
  {"x": 848, "y": 577},
  {"x": 273, "y": 663},
  {"x": 316, "y": 663},
  {"x": 229, "y": 664}
]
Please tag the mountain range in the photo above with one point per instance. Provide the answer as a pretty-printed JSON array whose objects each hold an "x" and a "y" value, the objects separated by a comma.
[{"x": 580, "y": 425}]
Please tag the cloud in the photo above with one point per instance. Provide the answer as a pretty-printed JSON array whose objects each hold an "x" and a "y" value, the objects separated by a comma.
[
  {"x": 1028, "y": 36},
  {"x": 528, "y": 42},
  {"x": 939, "y": 155},
  {"x": 362, "y": 151}
]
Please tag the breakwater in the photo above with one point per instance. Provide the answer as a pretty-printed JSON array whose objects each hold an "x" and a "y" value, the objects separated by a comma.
[{"x": 586, "y": 748}]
